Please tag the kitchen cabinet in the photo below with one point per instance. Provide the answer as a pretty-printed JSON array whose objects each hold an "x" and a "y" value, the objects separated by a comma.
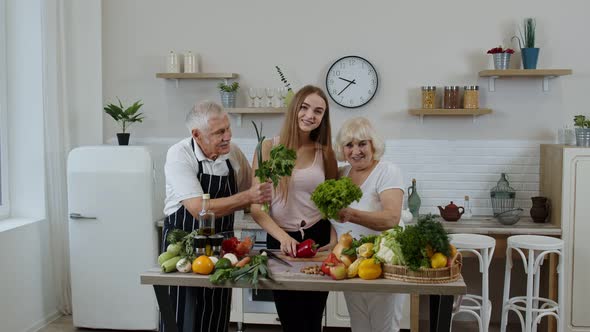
[
  {"x": 546, "y": 74},
  {"x": 337, "y": 312},
  {"x": 565, "y": 180}
]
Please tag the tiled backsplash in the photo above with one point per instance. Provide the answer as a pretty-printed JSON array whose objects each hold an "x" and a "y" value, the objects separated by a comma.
[{"x": 445, "y": 170}]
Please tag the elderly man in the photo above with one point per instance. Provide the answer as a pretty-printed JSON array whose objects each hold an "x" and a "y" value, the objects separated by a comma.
[{"x": 206, "y": 163}]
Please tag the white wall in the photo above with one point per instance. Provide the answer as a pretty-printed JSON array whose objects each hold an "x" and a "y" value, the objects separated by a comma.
[{"x": 410, "y": 43}]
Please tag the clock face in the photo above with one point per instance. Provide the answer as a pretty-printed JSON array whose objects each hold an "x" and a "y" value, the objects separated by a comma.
[{"x": 351, "y": 81}]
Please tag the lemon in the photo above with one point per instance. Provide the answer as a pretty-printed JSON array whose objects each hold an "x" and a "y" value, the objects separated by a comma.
[{"x": 438, "y": 260}]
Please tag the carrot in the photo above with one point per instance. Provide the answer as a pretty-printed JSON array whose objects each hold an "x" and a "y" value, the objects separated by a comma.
[{"x": 243, "y": 262}]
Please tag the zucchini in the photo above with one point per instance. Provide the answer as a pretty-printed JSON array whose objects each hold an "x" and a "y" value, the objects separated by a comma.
[
  {"x": 165, "y": 256},
  {"x": 170, "y": 265}
]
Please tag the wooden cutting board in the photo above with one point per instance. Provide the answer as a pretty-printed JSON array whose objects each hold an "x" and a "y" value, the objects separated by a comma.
[{"x": 319, "y": 257}]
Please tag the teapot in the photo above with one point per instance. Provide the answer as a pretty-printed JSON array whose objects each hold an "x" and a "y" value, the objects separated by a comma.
[{"x": 451, "y": 212}]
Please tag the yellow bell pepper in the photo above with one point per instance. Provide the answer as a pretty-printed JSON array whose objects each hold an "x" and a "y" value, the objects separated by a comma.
[{"x": 370, "y": 269}]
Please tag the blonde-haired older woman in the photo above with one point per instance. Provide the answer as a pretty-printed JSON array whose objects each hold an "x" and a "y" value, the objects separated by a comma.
[{"x": 379, "y": 209}]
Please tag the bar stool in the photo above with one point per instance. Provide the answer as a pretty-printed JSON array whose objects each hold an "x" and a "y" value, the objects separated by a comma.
[
  {"x": 538, "y": 247},
  {"x": 479, "y": 306}
]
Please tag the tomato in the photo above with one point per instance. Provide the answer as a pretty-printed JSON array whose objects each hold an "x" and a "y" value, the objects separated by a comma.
[
  {"x": 203, "y": 265},
  {"x": 229, "y": 245}
]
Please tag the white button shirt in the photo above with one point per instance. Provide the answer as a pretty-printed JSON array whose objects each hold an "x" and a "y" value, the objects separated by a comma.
[{"x": 182, "y": 167}]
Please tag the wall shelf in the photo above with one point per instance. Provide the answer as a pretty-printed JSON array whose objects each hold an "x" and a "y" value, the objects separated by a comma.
[
  {"x": 546, "y": 74},
  {"x": 196, "y": 76},
  {"x": 238, "y": 112},
  {"x": 475, "y": 112}
]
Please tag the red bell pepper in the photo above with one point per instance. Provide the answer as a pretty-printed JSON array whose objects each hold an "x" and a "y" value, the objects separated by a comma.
[
  {"x": 306, "y": 249},
  {"x": 332, "y": 260}
]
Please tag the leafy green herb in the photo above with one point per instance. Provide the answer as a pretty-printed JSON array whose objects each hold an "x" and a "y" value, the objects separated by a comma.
[
  {"x": 251, "y": 272},
  {"x": 581, "y": 122},
  {"x": 186, "y": 239},
  {"x": 281, "y": 163},
  {"x": 333, "y": 195},
  {"x": 415, "y": 239},
  {"x": 228, "y": 87}
]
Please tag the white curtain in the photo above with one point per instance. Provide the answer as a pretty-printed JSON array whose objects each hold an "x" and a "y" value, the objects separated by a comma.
[{"x": 57, "y": 145}]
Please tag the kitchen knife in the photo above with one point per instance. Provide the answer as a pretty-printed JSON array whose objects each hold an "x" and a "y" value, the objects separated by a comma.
[{"x": 272, "y": 255}]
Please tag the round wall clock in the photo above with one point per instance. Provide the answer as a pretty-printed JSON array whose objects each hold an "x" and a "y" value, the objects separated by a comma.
[{"x": 352, "y": 81}]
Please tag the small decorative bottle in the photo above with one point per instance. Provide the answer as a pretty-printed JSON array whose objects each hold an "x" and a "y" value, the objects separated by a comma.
[
  {"x": 189, "y": 63},
  {"x": 172, "y": 64},
  {"x": 206, "y": 218},
  {"x": 414, "y": 200},
  {"x": 467, "y": 206}
]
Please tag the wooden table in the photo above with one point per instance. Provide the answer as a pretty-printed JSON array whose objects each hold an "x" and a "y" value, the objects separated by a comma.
[{"x": 289, "y": 278}]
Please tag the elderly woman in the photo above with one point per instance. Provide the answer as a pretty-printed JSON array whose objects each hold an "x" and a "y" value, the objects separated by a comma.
[{"x": 379, "y": 209}]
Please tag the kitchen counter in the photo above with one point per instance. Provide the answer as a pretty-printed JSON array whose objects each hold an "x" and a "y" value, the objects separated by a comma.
[{"x": 289, "y": 278}]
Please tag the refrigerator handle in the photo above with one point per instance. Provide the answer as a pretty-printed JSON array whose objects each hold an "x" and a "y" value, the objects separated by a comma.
[{"x": 79, "y": 216}]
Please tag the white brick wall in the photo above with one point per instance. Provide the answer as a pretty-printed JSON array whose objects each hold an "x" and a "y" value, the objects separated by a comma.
[{"x": 445, "y": 170}]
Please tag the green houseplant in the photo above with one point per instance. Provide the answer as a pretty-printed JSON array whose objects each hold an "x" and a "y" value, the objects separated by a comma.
[
  {"x": 526, "y": 42},
  {"x": 286, "y": 93},
  {"x": 228, "y": 93},
  {"x": 582, "y": 125},
  {"x": 124, "y": 116}
]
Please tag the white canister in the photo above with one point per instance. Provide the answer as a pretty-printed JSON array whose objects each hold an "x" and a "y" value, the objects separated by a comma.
[
  {"x": 172, "y": 64},
  {"x": 190, "y": 63}
]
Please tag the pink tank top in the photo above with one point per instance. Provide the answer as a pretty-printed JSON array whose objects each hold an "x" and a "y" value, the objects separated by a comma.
[{"x": 298, "y": 212}]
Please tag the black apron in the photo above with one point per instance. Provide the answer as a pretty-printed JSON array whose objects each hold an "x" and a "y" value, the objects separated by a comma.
[{"x": 208, "y": 308}]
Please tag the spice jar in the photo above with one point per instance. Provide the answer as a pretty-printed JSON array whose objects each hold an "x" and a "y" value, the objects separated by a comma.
[
  {"x": 451, "y": 97},
  {"x": 216, "y": 241},
  {"x": 428, "y": 96},
  {"x": 471, "y": 96}
]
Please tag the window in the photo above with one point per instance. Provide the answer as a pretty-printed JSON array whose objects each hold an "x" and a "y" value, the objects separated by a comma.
[{"x": 4, "y": 207}]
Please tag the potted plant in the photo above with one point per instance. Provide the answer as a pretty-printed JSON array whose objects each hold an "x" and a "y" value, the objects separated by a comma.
[
  {"x": 125, "y": 117},
  {"x": 228, "y": 93},
  {"x": 582, "y": 125},
  {"x": 530, "y": 53},
  {"x": 501, "y": 57}
]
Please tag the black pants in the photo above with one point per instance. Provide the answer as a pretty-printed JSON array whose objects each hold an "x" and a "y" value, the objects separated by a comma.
[{"x": 302, "y": 311}]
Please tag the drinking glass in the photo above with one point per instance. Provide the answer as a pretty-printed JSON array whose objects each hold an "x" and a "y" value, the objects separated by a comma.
[
  {"x": 270, "y": 93},
  {"x": 259, "y": 95},
  {"x": 252, "y": 95}
]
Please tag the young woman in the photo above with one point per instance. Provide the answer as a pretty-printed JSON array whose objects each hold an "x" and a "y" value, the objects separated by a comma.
[
  {"x": 293, "y": 217},
  {"x": 379, "y": 209}
]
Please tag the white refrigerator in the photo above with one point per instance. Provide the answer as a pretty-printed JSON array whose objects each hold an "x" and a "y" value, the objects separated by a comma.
[{"x": 112, "y": 237}]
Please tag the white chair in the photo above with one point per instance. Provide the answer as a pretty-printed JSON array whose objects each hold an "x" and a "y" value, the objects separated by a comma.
[
  {"x": 479, "y": 306},
  {"x": 535, "y": 307}
]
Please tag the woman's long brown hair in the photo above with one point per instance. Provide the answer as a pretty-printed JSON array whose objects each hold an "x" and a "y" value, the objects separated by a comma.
[{"x": 322, "y": 135}]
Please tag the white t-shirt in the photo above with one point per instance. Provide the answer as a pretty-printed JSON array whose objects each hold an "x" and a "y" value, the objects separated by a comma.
[
  {"x": 384, "y": 176},
  {"x": 182, "y": 167}
]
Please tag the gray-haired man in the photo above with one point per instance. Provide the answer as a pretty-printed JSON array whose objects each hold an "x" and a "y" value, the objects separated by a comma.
[{"x": 206, "y": 162}]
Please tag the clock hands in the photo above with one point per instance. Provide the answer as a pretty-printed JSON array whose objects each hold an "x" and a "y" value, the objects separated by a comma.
[{"x": 349, "y": 83}]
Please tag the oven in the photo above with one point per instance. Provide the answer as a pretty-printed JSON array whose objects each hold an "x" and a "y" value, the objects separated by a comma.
[{"x": 258, "y": 306}]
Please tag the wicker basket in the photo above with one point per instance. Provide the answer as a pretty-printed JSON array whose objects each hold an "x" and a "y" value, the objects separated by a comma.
[{"x": 425, "y": 275}]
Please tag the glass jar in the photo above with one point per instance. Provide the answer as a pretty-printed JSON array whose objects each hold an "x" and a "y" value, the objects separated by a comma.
[
  {"x": 428, "y": 96},
  {"x": 471, "y": 96},
  {"x": 200, "y": 245},
  {"x": 451, "y": 97}
]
